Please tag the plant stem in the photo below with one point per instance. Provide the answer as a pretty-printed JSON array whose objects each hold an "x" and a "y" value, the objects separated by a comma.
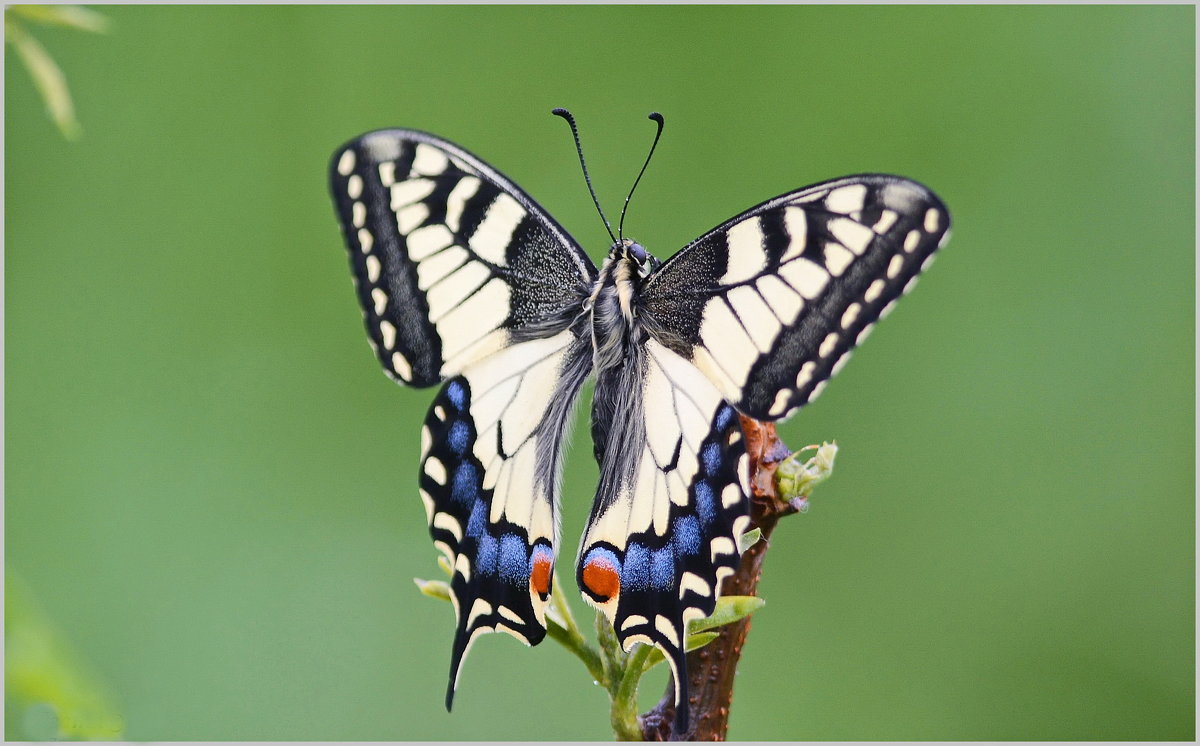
[
  {"x": 558, "y": 600},
  {"x": 624, "y": 717},
  {"x": 571, "y": 638}
]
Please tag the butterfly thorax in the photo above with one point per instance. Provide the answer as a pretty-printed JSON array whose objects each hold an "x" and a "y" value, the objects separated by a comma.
[{"x": 615, "y": 302}]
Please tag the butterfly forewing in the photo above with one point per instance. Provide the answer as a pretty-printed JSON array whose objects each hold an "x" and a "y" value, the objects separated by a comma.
[
  {"x": 770, "y": 304},
  {"x": 452, "y": 261}
]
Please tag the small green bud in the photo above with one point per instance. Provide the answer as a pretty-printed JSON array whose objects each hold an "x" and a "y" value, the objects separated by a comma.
[
  {"x": 434, "y": 588},
  {"x": 749, "y": 539},
  {"x": 796, "y": 480}
]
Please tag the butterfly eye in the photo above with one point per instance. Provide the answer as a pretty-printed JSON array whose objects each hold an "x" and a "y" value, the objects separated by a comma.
[{"x": 637, "y": 252}]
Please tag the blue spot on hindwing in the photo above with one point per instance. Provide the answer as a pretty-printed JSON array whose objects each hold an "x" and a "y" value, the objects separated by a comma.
[
  {"x": 456, "y": 393},
  {"x": 710, "y": 456},
  {"x": 603, "y": 554},
  {"x": 706, "y": 506},
  {"x": 464, "y": 488},
  {"x": 662, "y": 569},
  {"x": 635, "y": 573},
  {"x": 459, "y": 437},
  {"x": 485, "y": 554},
  {"x": 686, "y": 536},
  {"x": 543, "y": 550},
  {"x": 514, "y": 560},
  {"x": 724, "y": 418},
  {"x": 477, "y": 523}
]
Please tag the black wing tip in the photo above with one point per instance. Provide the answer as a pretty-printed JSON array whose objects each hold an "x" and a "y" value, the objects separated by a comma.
[
  {"x": 457, "y": 653},
  {"x": 681, "y": 719},
  {"x": 387, "y": 139},
  {"x": 877, "y": 179}
]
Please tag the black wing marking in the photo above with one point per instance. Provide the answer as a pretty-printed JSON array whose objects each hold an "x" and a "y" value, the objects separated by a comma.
[
  {"x": 671, "y": 506},
  {"x": 490, "y": 468},
  {"x": 770, "y": 304},
  {"x": 452, "y": 261}
]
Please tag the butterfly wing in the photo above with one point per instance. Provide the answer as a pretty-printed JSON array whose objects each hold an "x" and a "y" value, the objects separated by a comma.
[
  {"x": 462, "y": 278},
  {"x": 490, "y": 479},
  {"x": 770, "y": 304},
  {"x": 671, "y": 505},
  {"x": 451, "y": 260}
]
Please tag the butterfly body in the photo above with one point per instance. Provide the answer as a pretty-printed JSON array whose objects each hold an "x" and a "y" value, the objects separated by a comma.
[
  {"x": 465, "y": 281},
  {"x": 613, "y": 305}
]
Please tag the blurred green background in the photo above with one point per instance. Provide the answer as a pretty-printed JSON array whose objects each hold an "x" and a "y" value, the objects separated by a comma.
[{"x": 210, "y": 485}]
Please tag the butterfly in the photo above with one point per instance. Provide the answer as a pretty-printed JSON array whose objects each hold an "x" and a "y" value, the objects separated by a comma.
[{"x": 465, "y": 282}]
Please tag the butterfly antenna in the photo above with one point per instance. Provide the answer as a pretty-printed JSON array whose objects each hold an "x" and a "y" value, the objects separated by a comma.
[
  {"x": 560, "y": 112},
  {"x": 659, "y": 119}
]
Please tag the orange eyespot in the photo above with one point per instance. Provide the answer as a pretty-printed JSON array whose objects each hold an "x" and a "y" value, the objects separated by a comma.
[
  {"x": 601, "y": 578},
  {"x": 539, "y": 578}
]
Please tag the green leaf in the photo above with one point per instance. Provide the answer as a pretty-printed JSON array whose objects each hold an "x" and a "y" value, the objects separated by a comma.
[
  {"x": 749, "y": 539},
  {"x": 47, "y": 78},
  {"x": 579, "y": 647},
  {"x": 694, "y": 642},
  {"x": 729, "y": 609},
  {"x": 434, "y": 588},
  {"x": 53, "y": 693},
  {"x": 69, "y": 16}
]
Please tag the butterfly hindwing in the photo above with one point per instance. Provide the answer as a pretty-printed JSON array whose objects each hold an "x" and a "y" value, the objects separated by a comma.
[
  {"x": 452, "y": 261},
  {"x": 671, "y": 506},
  {"x": 489, "y": 481},
  {"x": 770, "y": 304}
]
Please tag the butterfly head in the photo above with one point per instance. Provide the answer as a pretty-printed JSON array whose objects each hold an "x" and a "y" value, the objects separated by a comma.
[{"x": 641, "y": 261}]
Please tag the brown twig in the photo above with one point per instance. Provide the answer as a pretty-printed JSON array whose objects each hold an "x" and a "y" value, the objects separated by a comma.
[{"x": 712, "y": 667}]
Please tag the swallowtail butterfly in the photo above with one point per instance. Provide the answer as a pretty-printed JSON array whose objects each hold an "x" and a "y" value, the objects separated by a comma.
[{"x": 467, "y": 283}]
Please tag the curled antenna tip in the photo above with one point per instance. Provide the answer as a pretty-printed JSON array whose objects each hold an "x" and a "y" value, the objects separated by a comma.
[
  {"x": 658, "y": 119},
  {"x": 561, "y": 112}
]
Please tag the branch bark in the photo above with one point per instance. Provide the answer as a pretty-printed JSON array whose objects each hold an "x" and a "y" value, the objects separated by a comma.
[{"x": 712, "y": 668}]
